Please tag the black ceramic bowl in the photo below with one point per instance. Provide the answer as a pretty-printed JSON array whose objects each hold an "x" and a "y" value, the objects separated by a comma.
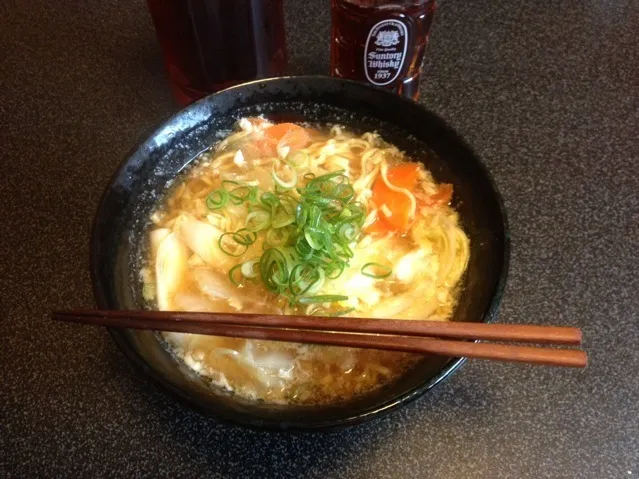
[{"x": 142, "y": 180}]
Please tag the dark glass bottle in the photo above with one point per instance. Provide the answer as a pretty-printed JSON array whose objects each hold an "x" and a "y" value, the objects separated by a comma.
[
  {"x": 209, "y": 45},
  {"x": 381, "y": 42}
]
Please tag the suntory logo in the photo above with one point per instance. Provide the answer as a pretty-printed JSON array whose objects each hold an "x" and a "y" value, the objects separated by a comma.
[
  {"x": 387, "y": 38},
  {"x": 385, "y": 51}
]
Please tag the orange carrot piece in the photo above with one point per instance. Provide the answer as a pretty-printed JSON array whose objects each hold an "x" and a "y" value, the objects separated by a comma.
[
  {"x": 400, "y": 208},
  {"x": 295, "y": 139},
  {"x": 286, "y": 134},
  {"x": 378, "y": 227},
  {"x": 406, "y": 176},
  {"x": 442, "y": 196},
  {"x": 278, "y": 130}
]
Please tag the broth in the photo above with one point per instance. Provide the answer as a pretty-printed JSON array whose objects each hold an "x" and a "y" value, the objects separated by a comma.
[{"x": 283, "y": 219}]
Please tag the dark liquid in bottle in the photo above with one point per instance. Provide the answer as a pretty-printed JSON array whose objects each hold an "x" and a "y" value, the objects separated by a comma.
[
  {"x": 381, "y": 42},
  {"x": 209, "y": 45}
]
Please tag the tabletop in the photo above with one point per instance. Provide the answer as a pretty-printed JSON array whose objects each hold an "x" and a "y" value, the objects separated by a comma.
[{"x": 547, "y": 96}]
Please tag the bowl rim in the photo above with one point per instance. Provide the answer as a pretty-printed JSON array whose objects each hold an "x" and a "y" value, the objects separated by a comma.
[{"x": 381, "y": 410}]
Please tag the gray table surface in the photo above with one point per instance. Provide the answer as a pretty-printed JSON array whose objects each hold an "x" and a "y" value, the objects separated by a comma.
[{"x": 547, "y": 96}]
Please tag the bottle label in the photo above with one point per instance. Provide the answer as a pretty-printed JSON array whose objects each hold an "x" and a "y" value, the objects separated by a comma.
[{"x": 385, "y": 51}]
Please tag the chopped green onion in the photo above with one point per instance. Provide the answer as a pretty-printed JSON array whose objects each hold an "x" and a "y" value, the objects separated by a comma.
[
  {"x": 303, "y": 249},
  {"x": 298, "y": 159},
  {"x": 347, "y": 251},
  {"x": 238, "y": 251},
  {"x": 269, "y": 199},
  {"x": 288, "y": 203},
  {"x": 324, "y": 178},
  {"x": 347, "y": 233},
  {"x": 277, "y": 237},
  {"x": 306, "y": 279},
  {"x": 258, "y": 220},
  {"x": 301, "y": 214},
  {"x": 232, "y": 274},
  {"x": 243, "y": 193},
  {"x": 386, "y": 271},
  {"x": 244, "y": 237},
  {"x": 287, "y": 185},
  {"x": 217, "y": 199},
  {"x": 274, "y": 269},
  {"x": 336, "y": 270},
  {"x": 282, "y": 220},
  {"x": 230, "y": 182},
  {"x": 313, "y": 239},
  {"x": 307, "y": 231},
  {"x": 322, "y": 298},
  {"x": 319, "y": 282},
  {"x": 344, "y": 192},
  {"x": 248, "y": 268}
]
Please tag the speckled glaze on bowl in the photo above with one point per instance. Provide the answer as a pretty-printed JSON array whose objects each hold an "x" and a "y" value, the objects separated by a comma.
[{"x": 143, "y": 178}]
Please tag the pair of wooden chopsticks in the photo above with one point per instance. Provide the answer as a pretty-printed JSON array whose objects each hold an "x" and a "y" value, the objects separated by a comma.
[{"x": 388, "y": 334}]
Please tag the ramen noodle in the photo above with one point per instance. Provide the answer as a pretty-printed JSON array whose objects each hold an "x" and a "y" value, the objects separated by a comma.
[{"x": 287, "y": 219}]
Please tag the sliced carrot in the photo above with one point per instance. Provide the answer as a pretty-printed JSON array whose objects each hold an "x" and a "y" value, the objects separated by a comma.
[
  {"x": 378, "y": 227},
  {"x": 295, "y": 139},
  {"x": 288, "y": 134},
  {"x": 442, "y": 196},
  {"x": 398, "y": 204},
  {"x": 278, "y": 130},
  {"x": 405, "y": 175},
  {"x": 258, "y": 148},
  {"x": 261, "y": 146}
]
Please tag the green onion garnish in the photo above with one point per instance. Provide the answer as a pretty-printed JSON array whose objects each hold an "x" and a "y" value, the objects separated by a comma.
[
  {"x": 306, "y": 227},
  {"x": 322, "y": 298},
  {"x": 274, "y": 270},
  {"x": 297, "y": 159},
  {"x": 217, "y": 199},
  {"x": 286, "y": 185},
  {"x": 376, "y": 270},
  {"x": 277, "y": 237},
  {"x": 248, "y": 268},
  {"x": 243, "y": 193},
  {"x": 227, "y": 245},
  {"x": 258, "y": 220},
  {"x": 244, "y": 237},
  {"x": 282, "y": 220},
  {"x": 232, "y": 274}
]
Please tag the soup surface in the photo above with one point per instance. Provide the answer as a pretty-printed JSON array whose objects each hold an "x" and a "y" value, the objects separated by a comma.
[{"x": 289, "y": 219}]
